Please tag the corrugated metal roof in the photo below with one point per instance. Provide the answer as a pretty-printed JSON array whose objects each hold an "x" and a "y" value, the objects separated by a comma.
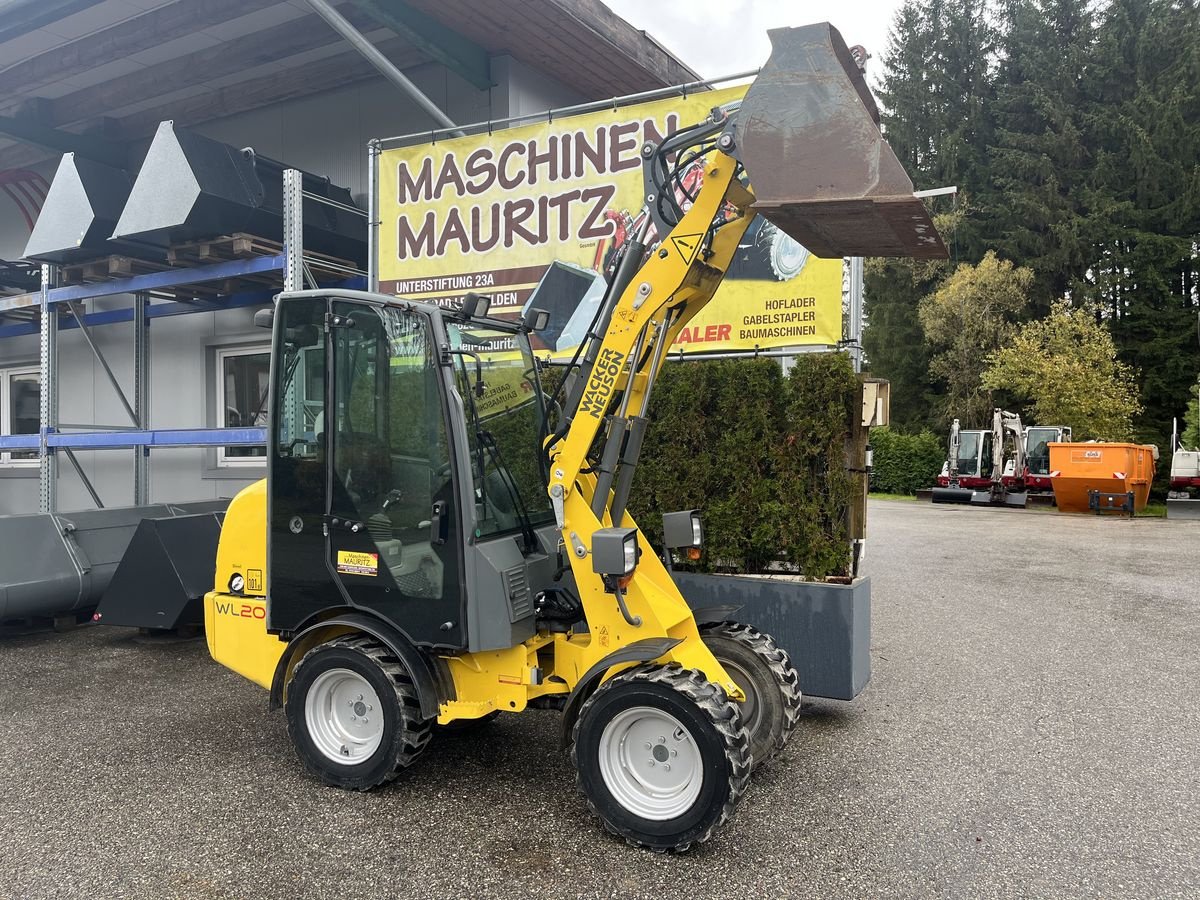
[{"x": 126, "y": 64}]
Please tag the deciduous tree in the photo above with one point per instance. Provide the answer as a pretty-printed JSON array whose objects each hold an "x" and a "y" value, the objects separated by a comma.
[
  {"x": 1066, "y": 367},
  {"x": 972, "y": 315}
]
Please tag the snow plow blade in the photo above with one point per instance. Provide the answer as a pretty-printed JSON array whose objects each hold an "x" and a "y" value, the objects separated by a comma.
[
  {"x": 808, "y": 135},
  {"x": 1007, "y": 498},
  {"x": 952, "y": 495}
]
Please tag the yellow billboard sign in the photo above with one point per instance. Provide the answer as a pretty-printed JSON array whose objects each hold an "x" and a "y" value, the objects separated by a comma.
[{"x": 537, "y": 214}]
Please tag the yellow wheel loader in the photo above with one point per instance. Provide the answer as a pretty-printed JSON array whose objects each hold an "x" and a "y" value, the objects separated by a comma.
[{"x": 424, "y": 555}]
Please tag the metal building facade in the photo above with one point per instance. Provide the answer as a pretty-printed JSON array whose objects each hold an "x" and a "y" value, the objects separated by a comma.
[{"x": 196, "y": 361}]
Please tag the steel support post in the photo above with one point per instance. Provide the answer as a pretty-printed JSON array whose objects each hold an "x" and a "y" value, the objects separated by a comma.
[
  {"x": 373, "y": 220},
  {"x": 141, "y": 397},
  {"x": 48, "y": 411},
  {"x": 293, "y": 230},
  {"x": 855, "y": 312}
]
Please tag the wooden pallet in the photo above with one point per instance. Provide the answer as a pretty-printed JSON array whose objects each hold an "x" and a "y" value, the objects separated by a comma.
[
  {"x": 107, "y": 268},
  {"x": 199, "y": 253},
  {"x": 245, "y": 246},
  {"x": 218, "y": 249}
]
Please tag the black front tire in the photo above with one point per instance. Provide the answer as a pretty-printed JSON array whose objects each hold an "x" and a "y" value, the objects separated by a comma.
[
  {"x": 404, "y": 732},
  {"x": 765, "y": 674},
  {"x": 713, "y": 741}
]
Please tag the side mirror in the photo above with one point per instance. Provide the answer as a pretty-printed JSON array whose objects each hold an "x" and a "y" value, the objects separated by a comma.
[{"x": 265, "y": 318}]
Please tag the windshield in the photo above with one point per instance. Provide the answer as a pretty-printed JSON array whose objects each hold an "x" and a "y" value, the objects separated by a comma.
[
  {"x": 1037, "y": 449},
  {"x": 504, "y": 427},
  {"x": 968, "y": 453}
]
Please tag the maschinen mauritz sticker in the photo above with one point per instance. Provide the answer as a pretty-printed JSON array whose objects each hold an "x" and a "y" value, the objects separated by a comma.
[{"x": 350, "y": 562}]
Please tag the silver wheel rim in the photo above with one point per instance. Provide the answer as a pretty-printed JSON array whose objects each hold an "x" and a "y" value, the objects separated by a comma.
[
  {"x": 344, "y": 716},
  {"x": 750, "y": 708},
  {"x": 650, "y": 763},
  {"x": 788, "y": 256}
]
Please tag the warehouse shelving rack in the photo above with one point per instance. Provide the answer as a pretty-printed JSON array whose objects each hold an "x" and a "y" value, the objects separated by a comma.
[{"x": 242, "y": 285}]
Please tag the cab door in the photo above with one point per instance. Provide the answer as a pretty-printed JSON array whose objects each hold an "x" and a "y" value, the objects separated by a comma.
[
  {"x": 394, "y": 542},
  {"x": 362, "y": 500}
]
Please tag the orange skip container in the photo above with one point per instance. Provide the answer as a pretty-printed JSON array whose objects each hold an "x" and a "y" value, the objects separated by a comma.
[{"x": 1078, "y": 469}]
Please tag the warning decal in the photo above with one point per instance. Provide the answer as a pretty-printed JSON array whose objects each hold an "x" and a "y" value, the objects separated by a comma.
[
  {"x": 350, "y": 562},
  {"x": 686, "y": 244}
]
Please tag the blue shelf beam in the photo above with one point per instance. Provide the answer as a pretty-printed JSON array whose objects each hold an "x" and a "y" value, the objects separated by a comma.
[
  {"x": 157, "y": 438},
  {"x": 162, "y": 310},
  {"x": 169, "y": 278},
  {"x": 151, "y": 282}
]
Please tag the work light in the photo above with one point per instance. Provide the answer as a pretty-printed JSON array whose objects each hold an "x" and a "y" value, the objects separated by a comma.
[
  {"x": 614, "y": 552},
  {"x": 682, "y": 529},
  {"x": 476, "y": 306},
  {"x": 535, "y": 319}
]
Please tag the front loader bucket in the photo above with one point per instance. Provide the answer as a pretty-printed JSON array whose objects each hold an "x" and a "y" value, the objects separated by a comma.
[{"x": 808, "y": 135}]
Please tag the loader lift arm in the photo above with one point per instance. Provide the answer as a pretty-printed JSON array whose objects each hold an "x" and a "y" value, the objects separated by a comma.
[
  {"x": 639, "y": 321},
  {"x": 857, "y": 200}
]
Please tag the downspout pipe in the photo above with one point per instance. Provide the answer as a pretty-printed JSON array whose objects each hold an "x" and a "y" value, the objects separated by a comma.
[{"x": 389, "y": 71}]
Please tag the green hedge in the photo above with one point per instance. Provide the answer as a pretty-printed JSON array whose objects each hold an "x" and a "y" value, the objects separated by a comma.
[
  {"x": 904, "y": 463},
  {"x": 760, "y": 454}
]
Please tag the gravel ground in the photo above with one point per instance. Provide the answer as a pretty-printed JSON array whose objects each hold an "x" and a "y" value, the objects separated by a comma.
[{"x": 1031, "y": 730}]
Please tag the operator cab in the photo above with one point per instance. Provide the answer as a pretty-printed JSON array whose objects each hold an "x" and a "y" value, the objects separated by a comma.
[
  {"x": 1037, "y": 446},
  {"x": 405, "y": 466},
  {"x": 974, "y": 459}
]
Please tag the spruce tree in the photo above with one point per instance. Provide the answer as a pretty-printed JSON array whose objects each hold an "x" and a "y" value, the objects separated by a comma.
[
  {"x": 893, "y": 341},
  {"x": 1039, "y": 157},
  {"x": 1143, "y": 194},
  {"x": 933, "y": 95}
]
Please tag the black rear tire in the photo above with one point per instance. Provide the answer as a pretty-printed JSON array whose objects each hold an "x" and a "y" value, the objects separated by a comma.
[
  {"x": 403, "y": 735},
  {"x": 616, "y": 771},
  {"x": 765, "y": 674}
]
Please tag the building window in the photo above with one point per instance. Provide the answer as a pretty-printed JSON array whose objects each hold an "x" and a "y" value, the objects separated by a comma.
[
  {"x": 243, "y": 376},
  {"x": 20, "y": 411}
]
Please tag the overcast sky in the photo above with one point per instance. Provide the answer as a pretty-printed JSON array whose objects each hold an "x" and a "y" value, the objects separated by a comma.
[{"x": 720, "y": 37}]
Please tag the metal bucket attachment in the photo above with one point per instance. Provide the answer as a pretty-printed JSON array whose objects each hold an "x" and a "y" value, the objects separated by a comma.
[
  {"x": 808, "y": 135},
  {"x": 53, "y": 564},
  {"x": 164, "y": 574},
  {"x": 82, "y": 207},
  {"x": 192, "y": 188}
]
